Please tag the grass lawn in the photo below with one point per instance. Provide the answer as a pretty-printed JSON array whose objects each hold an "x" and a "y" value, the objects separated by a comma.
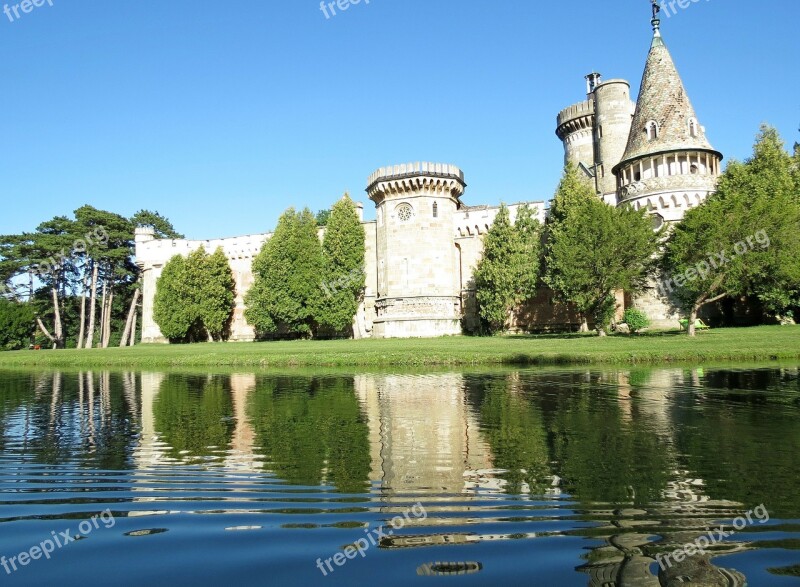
[{"x": 764, "y": 343}]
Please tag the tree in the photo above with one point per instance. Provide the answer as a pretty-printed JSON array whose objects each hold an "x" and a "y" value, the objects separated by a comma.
[
  {"x": 108, "y": 243},
  {"x": 218, "y": 295},
  {"x": 323, "y": 217},
  {"x": 162, "y": 226},
  {"x": 287, "y": 278},
  {"x": 594, "y": 250},
  {"x": 498, "y": 273},
  {"x": 173, "y": 315},
  {"x": 508, "y": 273},
  {"x": 530, "y": 232},
  {"x": 195, "y": 297},
  {"x": 744, "y": 240},
  {"x": 17, "y": 324},
  {"x": 343, "y": 277},
  {"x": 65, "y": 261}
]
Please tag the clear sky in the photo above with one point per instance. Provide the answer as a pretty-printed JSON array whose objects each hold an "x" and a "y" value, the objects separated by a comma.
[{"x": 220, "y": 114}]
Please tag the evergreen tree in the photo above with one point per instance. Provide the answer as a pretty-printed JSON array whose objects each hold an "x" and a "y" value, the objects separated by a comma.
[
  {"x": 594, "y": 250},
  {"x": 498, "y": 275},
  {"x": 195, "y": 297},
  {"x": 343, "y": 277},
  {"x": 162, "y": 226},
  {"x": 323, "y": 216},
  {"x": 574, "y": 188},
  {"x": 219, "y": 295},
  {"x": 287, "y": 281},
  {"x": 171, "y": 310},
  {"x": 530, "y": 231}
]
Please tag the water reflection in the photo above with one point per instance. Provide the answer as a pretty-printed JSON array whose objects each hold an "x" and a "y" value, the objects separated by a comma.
[{"x": 630, "y": 463}]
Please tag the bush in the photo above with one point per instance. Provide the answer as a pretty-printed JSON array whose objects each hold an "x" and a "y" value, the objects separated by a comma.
[{"x": 635, "y": 319}]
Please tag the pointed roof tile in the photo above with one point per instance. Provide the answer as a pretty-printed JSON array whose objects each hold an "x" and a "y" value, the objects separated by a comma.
[{"x": 663, "y": 99}]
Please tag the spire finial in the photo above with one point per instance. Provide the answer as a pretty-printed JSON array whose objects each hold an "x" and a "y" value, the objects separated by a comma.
[{"x": 656, "y": 22}]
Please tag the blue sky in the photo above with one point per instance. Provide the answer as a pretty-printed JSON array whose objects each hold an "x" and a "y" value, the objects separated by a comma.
[{"x": 221, "y": 114}]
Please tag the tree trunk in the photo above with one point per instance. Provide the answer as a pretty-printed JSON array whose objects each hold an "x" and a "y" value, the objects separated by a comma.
[
  {"x": 44, "y": 330},
  {"x": 82, "y": 330},
  {"x": 92, "y": 307},
  {"x": 129, "y": 322},
  {"x": 110, "y": 303},
  {"x": 692, "y": 319},
  {"x": 133, "y": 325},
  {"x": 584, "y": 324},
  {"x": 58, "y": 331},
  {"x": 102, "y": 315}
]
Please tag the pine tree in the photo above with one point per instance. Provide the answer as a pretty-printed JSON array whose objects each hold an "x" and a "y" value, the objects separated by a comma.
[
  {"x": 287, "y": 278},
  {"x": 343, "y": 277}
]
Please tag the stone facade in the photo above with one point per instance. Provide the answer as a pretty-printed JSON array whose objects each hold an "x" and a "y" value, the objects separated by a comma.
[{"x": 421, "y": 251}]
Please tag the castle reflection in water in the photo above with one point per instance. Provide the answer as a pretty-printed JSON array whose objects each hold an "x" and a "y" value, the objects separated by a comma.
[{"x": 627, "y": 450}]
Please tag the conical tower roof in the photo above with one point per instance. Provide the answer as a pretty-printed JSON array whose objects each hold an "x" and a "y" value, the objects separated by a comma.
[{"x": 663, "y": 100}]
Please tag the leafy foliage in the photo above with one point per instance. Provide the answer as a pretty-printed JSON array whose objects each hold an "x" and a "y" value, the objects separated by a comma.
[
  {"x": 594, "y": 250},
  {"x": 343, "y": 277},
  {"x": 323, "y": 217},
  {"x": 16, "y": 324},
  {"x": 312, "y": 431},
  {"x": 195, "y": 297},
  {"x": 163, "y": 227},
  {"x": 636, "y": 320},
  {"x": 745, "y": 238},
  {"x": 287, "y": 275},
  {"x": 508, "y": 273}
]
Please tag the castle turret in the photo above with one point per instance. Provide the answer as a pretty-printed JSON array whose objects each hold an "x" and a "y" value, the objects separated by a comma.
[
  {"x": 576, "y": 130},
  {"x": 668, "y": 165},
  {"x": 417, "y": 295},
  {"x": 613, "y": 113},
  {"x": 595, "y": 132}
]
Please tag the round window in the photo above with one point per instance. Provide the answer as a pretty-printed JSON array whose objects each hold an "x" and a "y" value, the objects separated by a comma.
[{"x": 404, "y": 212}]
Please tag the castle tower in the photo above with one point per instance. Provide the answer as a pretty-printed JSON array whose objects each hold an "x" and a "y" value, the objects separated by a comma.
[
  {"x": 576, "y": 130},
  {"x": 416, "y": 255},
  {"x": 668, "y": 165},
  {"x": 595, "y": 132},
  {"x": 612, "y": 124}
]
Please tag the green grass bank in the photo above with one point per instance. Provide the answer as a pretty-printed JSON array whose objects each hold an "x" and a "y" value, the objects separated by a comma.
[{"x": 765, "y": 343}]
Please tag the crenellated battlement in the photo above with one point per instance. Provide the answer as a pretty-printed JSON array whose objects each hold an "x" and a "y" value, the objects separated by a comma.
[
  {"x": 576, "y": 117},
  {"x": 418, "y": 169}
]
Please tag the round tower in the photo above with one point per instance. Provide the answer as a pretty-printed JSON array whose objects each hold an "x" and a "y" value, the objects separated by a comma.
[
  {"x": 416, "y": 255},
  {"x": 576, "y": 130},
  {"x": 613, "y": 114}
]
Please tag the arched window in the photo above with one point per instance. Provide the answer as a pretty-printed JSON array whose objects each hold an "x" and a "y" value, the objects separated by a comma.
[
  {"x": 694, "y": 169},
  {"x": 692, "y": 127},
  {"x": 436, "y": 209},
  {"x": 651, "y": 130}
]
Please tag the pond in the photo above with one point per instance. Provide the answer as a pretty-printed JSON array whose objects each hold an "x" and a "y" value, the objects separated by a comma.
[{"x": 589, "y": 476}]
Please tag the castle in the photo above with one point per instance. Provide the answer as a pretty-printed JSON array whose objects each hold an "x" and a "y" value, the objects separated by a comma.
[{"x": 424, "y": 244}]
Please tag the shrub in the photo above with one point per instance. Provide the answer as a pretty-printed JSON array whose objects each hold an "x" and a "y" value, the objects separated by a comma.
[{"x": 635, "y": 319}]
